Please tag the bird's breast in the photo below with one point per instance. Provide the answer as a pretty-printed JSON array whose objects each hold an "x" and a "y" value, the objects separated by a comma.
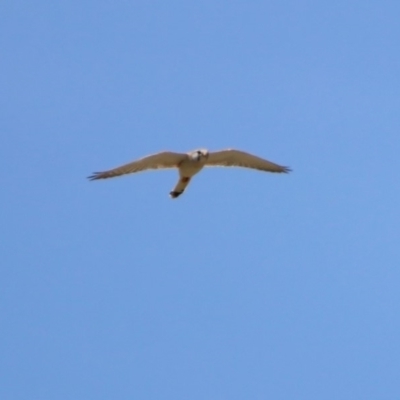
[{"x": 190, "y": 167}]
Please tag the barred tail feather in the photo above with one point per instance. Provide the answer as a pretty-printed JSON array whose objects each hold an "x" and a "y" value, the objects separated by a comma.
[{"x": 180, "y": 187}]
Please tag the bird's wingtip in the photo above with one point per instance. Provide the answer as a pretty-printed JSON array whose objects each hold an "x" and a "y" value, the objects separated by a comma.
[{"x": 94, "y": 176}]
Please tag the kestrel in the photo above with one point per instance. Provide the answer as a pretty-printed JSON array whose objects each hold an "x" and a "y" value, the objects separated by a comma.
[{"x": 189, "y": 164}]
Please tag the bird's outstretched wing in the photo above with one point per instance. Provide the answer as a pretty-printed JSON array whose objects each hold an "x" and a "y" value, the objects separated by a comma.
[
  {"x": 165, "y": 159},
  {"x": 237, "y": 158}
]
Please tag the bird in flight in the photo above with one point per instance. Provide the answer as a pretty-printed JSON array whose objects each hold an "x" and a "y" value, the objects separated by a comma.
[{"x": 189, "y": 164}]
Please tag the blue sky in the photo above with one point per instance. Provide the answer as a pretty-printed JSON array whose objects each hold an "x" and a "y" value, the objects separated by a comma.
[{"x": 250, "y": 285}]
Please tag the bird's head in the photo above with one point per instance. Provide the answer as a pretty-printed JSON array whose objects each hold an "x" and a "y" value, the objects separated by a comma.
[{"x": 201, "y": 154}]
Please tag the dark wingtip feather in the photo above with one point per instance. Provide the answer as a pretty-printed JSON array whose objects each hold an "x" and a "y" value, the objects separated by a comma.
[
  {"x": 286, "y": 170},
  {"x": 95, "y": 176}
]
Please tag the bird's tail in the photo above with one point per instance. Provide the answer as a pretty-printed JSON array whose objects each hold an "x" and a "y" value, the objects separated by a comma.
[{"x": 180, "y": 187}]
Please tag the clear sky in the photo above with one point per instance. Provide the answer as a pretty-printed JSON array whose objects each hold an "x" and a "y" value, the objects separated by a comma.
[{"x": 250, "y": 285}]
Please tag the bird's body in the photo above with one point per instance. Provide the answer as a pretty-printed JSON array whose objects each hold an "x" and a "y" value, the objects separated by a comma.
[{"x": 189, "y": 164}]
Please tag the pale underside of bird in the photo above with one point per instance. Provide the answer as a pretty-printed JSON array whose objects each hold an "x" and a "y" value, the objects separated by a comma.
[{"x": 189, "y": 164}]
